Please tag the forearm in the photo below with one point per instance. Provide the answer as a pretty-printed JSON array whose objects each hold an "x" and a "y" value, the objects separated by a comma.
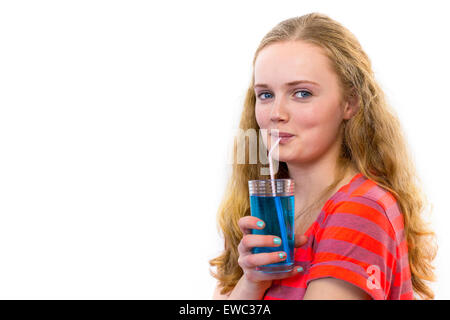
[{"x": 246, "y": 290}]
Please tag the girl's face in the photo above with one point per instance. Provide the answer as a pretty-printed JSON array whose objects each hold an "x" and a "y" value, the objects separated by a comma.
[{"x": 311, "y": 110}]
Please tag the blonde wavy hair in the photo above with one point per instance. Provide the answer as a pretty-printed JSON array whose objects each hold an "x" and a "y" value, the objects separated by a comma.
[{"x": 373, "y": 142}]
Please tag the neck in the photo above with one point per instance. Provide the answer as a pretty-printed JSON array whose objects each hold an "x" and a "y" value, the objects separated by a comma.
[{"x": 311, "y": 179}]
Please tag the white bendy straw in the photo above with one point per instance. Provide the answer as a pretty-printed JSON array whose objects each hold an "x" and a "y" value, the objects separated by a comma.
[{"x": 272, "y": 176}]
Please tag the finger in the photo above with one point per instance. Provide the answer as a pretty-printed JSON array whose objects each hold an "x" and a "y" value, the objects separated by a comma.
[
  {"x": 253, "y": 240},
  {"x": 259, "y": 259},
  {"x": 249, "y": 222},
  {"x": 300, "y": 240}
]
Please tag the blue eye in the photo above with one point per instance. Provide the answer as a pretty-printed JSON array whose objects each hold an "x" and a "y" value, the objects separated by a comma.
[
  {"x": 305, "y": 92},
  {"x": 259, "y": 95}
]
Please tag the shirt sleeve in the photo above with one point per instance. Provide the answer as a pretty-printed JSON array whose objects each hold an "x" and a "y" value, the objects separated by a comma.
[{"x": 356, "y": 243}]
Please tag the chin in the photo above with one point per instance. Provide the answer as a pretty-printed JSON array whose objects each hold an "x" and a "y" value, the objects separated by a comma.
[{"x": 282, "y": 158}]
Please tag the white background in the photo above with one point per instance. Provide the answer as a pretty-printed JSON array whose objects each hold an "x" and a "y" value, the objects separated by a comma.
[{"x": 115, "y": 125}]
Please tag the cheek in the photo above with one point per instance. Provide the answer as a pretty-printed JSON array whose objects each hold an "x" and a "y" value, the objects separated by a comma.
[
  {"x": 261, "y": 117},
  {"x": 317, "y": 129},
  {"x": 306, "y": 119}
]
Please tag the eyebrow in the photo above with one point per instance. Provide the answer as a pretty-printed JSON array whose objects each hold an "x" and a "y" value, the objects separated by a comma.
[{"x": 288, "y": 84}]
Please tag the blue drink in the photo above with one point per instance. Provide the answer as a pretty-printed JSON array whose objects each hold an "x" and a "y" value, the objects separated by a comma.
[{"x": 269, "y": 208}]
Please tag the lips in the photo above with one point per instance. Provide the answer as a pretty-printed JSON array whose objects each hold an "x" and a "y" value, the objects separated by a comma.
[{"x": 282, "y": 135}]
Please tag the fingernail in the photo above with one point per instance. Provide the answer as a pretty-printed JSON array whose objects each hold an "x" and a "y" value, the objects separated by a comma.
[
  {"x": 299, "y": 269},
  {"x": 260, "y": 224},
  {"x": 277, "y": 241},
  {"x": 282, "y": 255}
]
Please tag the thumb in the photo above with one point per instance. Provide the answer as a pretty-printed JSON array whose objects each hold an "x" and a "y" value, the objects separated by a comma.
[{"x": 300, "y": 240}]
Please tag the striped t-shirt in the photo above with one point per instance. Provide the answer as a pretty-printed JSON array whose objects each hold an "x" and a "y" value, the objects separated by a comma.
[{"x": 357, "y": 237}]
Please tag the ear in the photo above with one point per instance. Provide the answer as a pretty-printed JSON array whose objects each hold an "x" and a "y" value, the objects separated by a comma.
[{"x": 351, "y": 106}]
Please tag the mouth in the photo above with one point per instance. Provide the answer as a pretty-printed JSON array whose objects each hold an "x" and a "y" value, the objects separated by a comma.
[{"x": 285, "y": 137}]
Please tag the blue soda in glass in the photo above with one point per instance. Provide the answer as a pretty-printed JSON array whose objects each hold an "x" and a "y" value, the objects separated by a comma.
[{"x": 269, "y": 208}]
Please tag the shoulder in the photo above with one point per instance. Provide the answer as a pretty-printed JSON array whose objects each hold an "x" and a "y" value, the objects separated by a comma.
[
  {"x": 365, "y": 206},
  {"x": 356, "y": 240}
]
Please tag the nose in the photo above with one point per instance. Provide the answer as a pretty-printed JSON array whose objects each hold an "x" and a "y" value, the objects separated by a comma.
[{"x": 278, "y": 112}]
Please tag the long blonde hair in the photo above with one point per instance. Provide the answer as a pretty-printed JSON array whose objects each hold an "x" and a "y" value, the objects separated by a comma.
[{"x": 373, "y": 142}]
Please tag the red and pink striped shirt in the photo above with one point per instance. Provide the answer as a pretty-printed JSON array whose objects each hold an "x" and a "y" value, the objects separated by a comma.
[{"x": 358, "y": 237}]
